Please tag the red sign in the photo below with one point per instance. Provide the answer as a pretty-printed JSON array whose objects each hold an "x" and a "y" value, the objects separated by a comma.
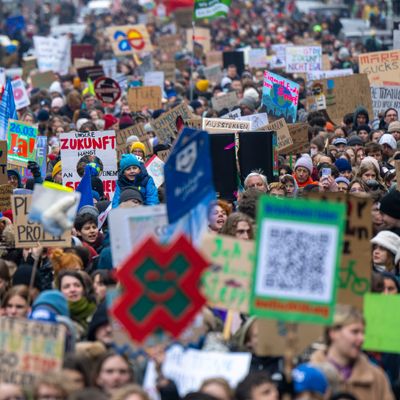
[
  {"x": 160, "y": 288},
  {"x": 107, "y": 90}
]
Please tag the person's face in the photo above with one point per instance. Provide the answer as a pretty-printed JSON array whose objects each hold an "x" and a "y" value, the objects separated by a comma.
[
  {"x": 257, "y": 183},
  {"x": 216, "y": 390},
  {"x": 377, "y": 220},
  {"x": 17, "y": 307},
  {"x": 369, "y": 174},
  {"x": 313, "y": 150},
  {"x": 357, "y": 188},
  {"x": 114, "y": 373},
  {"x": 290, "y": 188},
  {"x": 363, "y": 135},
  {"x": 13, "y": 181},
  {"x": 237, "y": 86},
  {"x": 99, "y": 287},
  {"x": 9, "y": 391},
  {"x": 218, "y": 218},
  {"x": 243, "y": 230},
  {"x": 376, "y": 136},
  {"x": 390, "y": 116},
  {"x": 138, "y": 152},
  {"x": 389, "y": 287},
  {"x": 352, "y": 156},
  {"x": 377, "y": 155},
  {"x": 361, "y": 119},
  {"x": 89, "y": 232},
  {"x": 342, "y": 187},
  {"x": 74, "y": 379},
  {"x": 265, "y": 391},
  {"x": 71, "y": 288},
  {"x": 348, "y": 340},
  {"x": 396, "y": 135},
  {"x": 380, "y": 255},
  {"x": 302, "y": 174},
  {"x": 46, "y": 392},
  {"x": 232, "y": 72},
  {"x": 130, "y": 203},
  {"x": 90, "y": 101},
  {"x": 104, "y": 334},
  {"x": 347, "y": 174},
  {"x": 131, "y": 172},
  {"x": 29, "y": 119},
  {"x": 387, "y": 150},
  {"x": 252, "y": 338},
  {"x": 58, "y": 178},
  {"x": 277, "y": 193},
  {"x": 339, "y": 133}
]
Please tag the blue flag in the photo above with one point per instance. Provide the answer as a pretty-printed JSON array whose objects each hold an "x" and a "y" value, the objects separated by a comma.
[
  {"x": 85, "y": 188},
  {"x": 7, "y": 109}
]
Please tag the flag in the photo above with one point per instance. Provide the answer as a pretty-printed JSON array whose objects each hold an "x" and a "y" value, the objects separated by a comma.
[
  {"x": 89, "y": 88},
  {"x": 210, "y": 9},
  {"x": 85, "y": 188},
  {"x": 7, "y": 109}
]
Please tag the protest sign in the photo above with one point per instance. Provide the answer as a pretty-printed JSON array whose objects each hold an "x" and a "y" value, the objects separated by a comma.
[
  {"x": 183, "y": 17},
  {"x": 30, "y": 234},
  {"x": 6, "y": 190},
  {"x": 201, "y": 37},
  {"x": 214, "y": 58},
  {"x": 384, "y": 97},
  {"x": 168, "y": 68},
  {"x": 154, "y": 78},
  {"x": 160, "y": 288},
  {"x": 280, "y": 96},
  {"x": 257, "y": 120},
  {"x": 335, "y": 73},
  {"x": 94, "y": 72},
  {"x": 129, "y": 39},
  {"x": 28, "y": 64},
  {"x": 107, "y": 90},
  {"x": 227, "y": 283},
  {"x": 279, "y": 56},
  {"x": 273, "y": 341},
  {"x": 123, "y": 134},
  {"x": 381, "y": 315},
  {"x": 282, "y": 131},
  {"x": 299, "y": 134},
  {"x": 326, "y": 63},
  {"x": 234, "y": 114},
  {"x": 80, "y": 148},
  {"x": 304, "y": 291},
  {"x": 85, "y": 51},
  {"x": 3, "y": 162},
  {"x": 21, "y": 97},
  {"x": 339, "y": 95},
  {"x": 178, "y": 366},
  {"x": 109, "y": 68},
  {"x": 234, "y": 57},
  {"x": 219, "y": 125},
  {"x": 21, "y": 141},
  {"x": 43, "y": 80},
  {"x": 163, "y": 155},
  {"x": 396, "y": 39},
  {"x": 257, "y": 58},
  {"x": 169, "y": 44},
  {"x": 165, "y": 125},
  {"x": 382, "y": 67},
  {"x": 213, "y": 73},
  {"x": 53, "y": 54},
  {"x": 144, "y": 97},
  {"x": 195, "y": 123},
  {"x": 226, "y": 100},
  {"x": 303, "y": 58},
  {"x": 155, "y": 168},
  {"x": 82, "y": 63},
  {"x": 30, "y": 349},
  {"x": 78, "y": 30}
]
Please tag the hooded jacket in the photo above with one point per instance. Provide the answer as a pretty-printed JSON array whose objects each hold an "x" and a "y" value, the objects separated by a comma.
[{"x": 357, "y": 112}]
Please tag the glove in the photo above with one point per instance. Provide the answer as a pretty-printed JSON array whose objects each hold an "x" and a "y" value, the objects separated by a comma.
[{"x": 34, "y": 168}]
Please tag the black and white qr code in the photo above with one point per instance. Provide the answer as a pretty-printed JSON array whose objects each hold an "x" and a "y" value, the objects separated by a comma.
[{"x": 296, "y": 260}]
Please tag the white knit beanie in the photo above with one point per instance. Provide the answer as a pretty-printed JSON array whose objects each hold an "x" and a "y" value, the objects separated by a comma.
[
  {"x": 389, "y": 241},
  {"x": 304, "y": 161}
]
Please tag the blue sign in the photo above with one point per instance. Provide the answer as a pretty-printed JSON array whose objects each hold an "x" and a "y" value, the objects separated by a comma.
[
  {"x": 15, "y": 24},
  {"x": 188, "y": 174}
]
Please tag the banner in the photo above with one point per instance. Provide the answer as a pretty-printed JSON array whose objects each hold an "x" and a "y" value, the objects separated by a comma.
[
  {"x": 335, "y": 73},
  {"x": 280, "y": 96},
  {"x": 210, "y": 9},
  {"x": 218, "y": 125},
  {"x": 129, "y": 39},
  {"x": 80, "y": 148},
  {"x": 144, "y": 97},
  {"x": 384, "y": 97},
  {"x": 21, "y": 140},
  {"x": 21, "y": 97},
  {"x": 303, "y": 58}
]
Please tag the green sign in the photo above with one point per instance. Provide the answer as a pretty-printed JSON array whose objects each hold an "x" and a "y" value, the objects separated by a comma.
[
  {"x": 299, "y": 243},
  {"x": 382, "y": 318},
  {"x": 21, "y": 141},
  {"x": 210, "y": 9}
]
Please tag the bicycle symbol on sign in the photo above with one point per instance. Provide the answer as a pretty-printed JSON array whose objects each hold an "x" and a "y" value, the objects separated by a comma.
[{"x": 348, "y": 278}]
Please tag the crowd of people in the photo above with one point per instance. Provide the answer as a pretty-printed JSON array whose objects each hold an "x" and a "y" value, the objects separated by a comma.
[{"x": 70, "y": 285}]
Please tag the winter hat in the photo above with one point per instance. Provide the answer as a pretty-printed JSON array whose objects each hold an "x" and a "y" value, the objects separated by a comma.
[
  {"x": 53, "y": 298},
  {"x": 354, "y": 140},
  {"x": 248, "y": 102},
  {"x": 131, "y": 139},
  {"x": 109, "y": 120},
  {"x": 138, "y": 146},
  {"x": 130, "y": 194},
  {"x": 343, "y": 54},
  {"x": 363, "y": 128},
  {"x": 388, "y": 139},
  {"x": 225, "y": 82},
  {"x": 389, "y": 240},
  {"x": 343, "y": 180},
  {"x": 342, "y": 164},
  {"x": 43, "y": 115},
  {"x": 370, "y": 160},
  {"x": 56, "y": 169},
  {"x": 195, "y": 104},
  {"x": 11, "y": 172},
  {"x": 80, "y": 122},
  {"x": 147, "y": 127},
  {"x": 339, "y": 140},
  {"x": 394, "y": 127},
  {"x": 125, "y": 121},
  {"x": 22, "y": 276},
  {"x": 202, "y": 85},
  {"x": 304, "y": 161},
  {"x": 57, "y": 102},
  {"x": 99, "y": 319},
  {"x": 128, "y": 160},
  {"x": 390, "y": 204},
  {"x": 89, "y": 210},
  {"x": 251, "y": 92},
  {"x": 307, "y": 378},
  {"x": 157, "y": 113},
  {"x": 55, "y": 87}
]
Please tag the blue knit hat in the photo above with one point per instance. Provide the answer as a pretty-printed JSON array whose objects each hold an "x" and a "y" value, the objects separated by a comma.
[
  {"x": 128, "y": 160},
  {"x": 55, "y": 299},
  {"x": 342, "y": 164},
  {"x": 307, "y": 378}
]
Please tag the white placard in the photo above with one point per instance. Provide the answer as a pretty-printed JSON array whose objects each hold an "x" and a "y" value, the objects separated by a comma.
[
  {"x": 303, "y": 58},
  {"x": 257, "y": 120},
  {"x": 334, "y": 73},
  {"x": 21, "y": 97},
  {"x": 154, "y": 78},
  {"x": 257, "y": 58},
  {"x": 109, "y": 68},
  {"x": 155, "y": 168}
]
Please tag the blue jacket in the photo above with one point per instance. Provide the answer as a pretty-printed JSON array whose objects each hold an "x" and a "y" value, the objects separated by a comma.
[{"x": 143, "y": 182}]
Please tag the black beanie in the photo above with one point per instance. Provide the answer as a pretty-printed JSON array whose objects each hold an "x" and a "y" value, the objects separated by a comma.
[
  {"x": 390, "y": 204},
  {"x": 130, "y": 194},
  {"x": 100, "y": 318}
]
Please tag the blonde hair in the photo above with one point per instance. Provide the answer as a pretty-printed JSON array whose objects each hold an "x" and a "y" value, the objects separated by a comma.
[
  {"x": 61, "y": 260},
  {"x": 218, "y": 381},
  {"x": 124, "y": 392}
]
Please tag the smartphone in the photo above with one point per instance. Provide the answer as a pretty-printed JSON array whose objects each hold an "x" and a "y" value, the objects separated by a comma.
[{"x": 326, "y": 171}]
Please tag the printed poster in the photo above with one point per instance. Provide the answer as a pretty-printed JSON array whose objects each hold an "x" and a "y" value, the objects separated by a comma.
[{"x": 21, "y": 141}]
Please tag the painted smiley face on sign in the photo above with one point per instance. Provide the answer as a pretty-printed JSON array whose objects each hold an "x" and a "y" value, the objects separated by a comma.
[{"x": 186, "y": 159}]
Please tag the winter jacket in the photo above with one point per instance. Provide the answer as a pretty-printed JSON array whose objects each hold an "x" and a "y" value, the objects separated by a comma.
[{"x": 359, "y": 110}]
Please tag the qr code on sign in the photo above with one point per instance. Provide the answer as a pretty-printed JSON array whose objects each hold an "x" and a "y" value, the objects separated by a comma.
[{"x": 296, "y": 260}]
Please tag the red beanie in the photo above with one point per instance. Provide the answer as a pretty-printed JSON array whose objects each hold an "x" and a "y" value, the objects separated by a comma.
[{"x": 110, "y": 120}]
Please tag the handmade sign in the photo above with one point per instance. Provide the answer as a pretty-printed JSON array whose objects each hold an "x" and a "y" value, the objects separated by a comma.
[
  {"x": 201, "y": 38},
  {"x": 129, "y": 39},
  {"x": 109, "y": 67},
  {"x": 144, "y": 97},
  {"x": 154, "y": 78},
  {"x": 384, "y": 97},
  {"x": 219, "y": 125},
  {"x": 278, "y": 56},
  {"x": 160, "y": 288},
  {"x": 168, "y": 68},
  {"x": 29, "y": 349},
  {"x": 21, "y": 141},
  {"x": 107, "y": 90},
  {"x": 214, "y": 58},
  {"x": 80, "y": 148},
  {"x": 155, "y": 168},
  {"x": 303, "y": 58},
  {"x": 82, "y": 51},
  {"x": 195, "y": 123},
  {"x": 299, "y": 134},
  {"x": 335, "y": 73},
  {"x": 82, "y": 63},
  {"x": 303, "y": 290},
  {"x": 227, "y": 100},
  {"x": 6, "y": 190},
  {"x": 213, "y": 73},
  {"x": 94, "y": 72},
  {"x": 43, "y": 80},
  {"x": 3, "y": 162},
  {"x": 123, "y": 134},
  {"x": 227, "y": 282},
  {"x": 21, "y": 97},
  {"x": 169, "y": 44},
  {"x": 381, "y": 67},
  {"x": 280, "y": 96},
  {"x": 235, "y": 114},
  {"x": 30, "y": 234},
  {"x": 283, "y": 136},
  {"x": 28, "y": 64},
  {"x": 257, "y": 58},
  {"x": 257, "y": 120}
]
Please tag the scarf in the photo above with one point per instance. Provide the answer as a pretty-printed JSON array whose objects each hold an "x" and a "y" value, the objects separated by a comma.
[{"x": 81, "y": 310}]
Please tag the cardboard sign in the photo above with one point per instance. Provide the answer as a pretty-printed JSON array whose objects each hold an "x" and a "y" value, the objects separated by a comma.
[
  {"x": 341, "y": 95},
  {"x": 3, "y": 162},
  {"x": 78, "y": 30},
  {"x": 384, "y": 97},
  {"x": 155, "y": 168},
  {"x": 280, "y": 96},
  {"x": 195, "y": 123},
  {"x": 213, "y": 73},
  {"x": 304, "y": 291},
  {"x": 6, "y": 192},
  {"x": 30, "y": 234},
  {"x": 202, "y": 38},
  {"x": 335, "y": 73},
  {"x": 226, "y": 100},
  {"x": 123, "y": 134},
  {"x": 382, "y": 67},
  {"x": 21, "y": 140},
  {"x": 168, "y": 68},
  {"x": 214, "y": 58},
  {"x": 165, "y": 125},
  {"x": 326, "y": 62},
  {"x": 28, "y": 64},
  {"x": 257, "y": 120},
  {"x": 85, "y": 51},
  {"x": 218, "y": 125},
  {"x": 282, "y": 131},
  {"x": 183, "y": 17},
  {"x": 83, "y": 63},
  {"x": 107, "y": 90},
  {"x": 94, "y": 72},
  {"x": 169, "y": 44},
  {"x": 273, "y": 340},
  {"x": 21, "y": 97},
  {"x": 163, "y": 155},
  {"x": 31, "y": 348},
  {"x": 43, "y": 80},
  {"x": 154, "y": 78},
  {"x": 299, "y": 134},
  {"x": 258, "y": 58},
  {"x": 129, "y": 39},
  {"x": 144, "y": 97},
  {"x": 303, "y": 58},
  {"x": 227, "y": 283},
  {"x": 80, "y": 148}
]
